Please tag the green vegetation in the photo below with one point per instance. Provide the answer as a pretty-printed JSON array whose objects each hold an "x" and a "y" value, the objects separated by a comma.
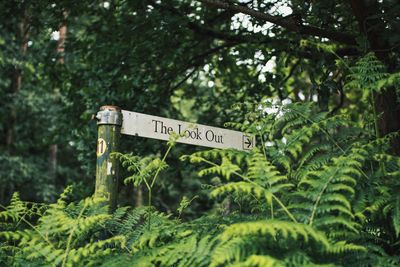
[
  {"x": 304, "y": 201},
  {"x": 317, "y": 84}
]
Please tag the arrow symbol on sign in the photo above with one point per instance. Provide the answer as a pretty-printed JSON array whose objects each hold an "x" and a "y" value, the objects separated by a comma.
[{"x": 248, "y": 141}]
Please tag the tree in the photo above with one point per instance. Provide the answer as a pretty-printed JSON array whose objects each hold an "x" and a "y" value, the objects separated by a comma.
[
  {"x": 378, "y": 25},
  {"x": 349, "y": 29},
  {"x": 31, "y": 103}
]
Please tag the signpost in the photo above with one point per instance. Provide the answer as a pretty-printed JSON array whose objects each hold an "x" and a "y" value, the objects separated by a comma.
[
  {"x": 109, "y": 120},
  {"x": 143, "y": 125},
  {"x": 112, "y": 121}
]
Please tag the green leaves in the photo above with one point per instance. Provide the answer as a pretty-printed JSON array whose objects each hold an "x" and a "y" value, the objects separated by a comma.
[
  {"x": 311, "y": 186},
  {"x": 185, "y": 202},
  {"x": 259, "y": 261},
  {"x": 226, "y": 169},
  {"x": 244, "y": 244},
  {"x": 368, "y": 73},
  {"x": 63, "y": 235},
  {"x": 334, "y": 203},
  {"x": 272, "y": 229}
]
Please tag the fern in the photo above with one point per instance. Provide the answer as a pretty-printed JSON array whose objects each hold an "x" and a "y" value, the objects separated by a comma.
[
  {"x": 232, "y": 251},
  {"x": 61, "y": 234},
  {"x": 278, "y": 238},
  {"x": 367, "y": 72},
  {"x": 143, "y": 169},
  {"x": 260, "y": 180},
  {"x": 274, "y": 229},
  {"x": 258, "y": 261},
  {"x": 329, "y": 192},
  {"x": 316, "y": 175}
]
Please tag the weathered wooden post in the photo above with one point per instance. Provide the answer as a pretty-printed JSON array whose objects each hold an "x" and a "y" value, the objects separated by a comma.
[{"x": 109, "y": 121}]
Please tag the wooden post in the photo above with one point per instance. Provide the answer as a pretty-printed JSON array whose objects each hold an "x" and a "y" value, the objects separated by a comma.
[{"x": 109, "y": 121}]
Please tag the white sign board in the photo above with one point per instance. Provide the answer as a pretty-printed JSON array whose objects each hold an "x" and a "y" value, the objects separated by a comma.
[{"x": 139, "y": 124}]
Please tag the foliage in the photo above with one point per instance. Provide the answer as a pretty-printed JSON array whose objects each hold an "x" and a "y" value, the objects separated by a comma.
[
  {"x": 64, "y": 234},
  {"x": 292, "y": 203},
  {"x": 317, "y": 171}
]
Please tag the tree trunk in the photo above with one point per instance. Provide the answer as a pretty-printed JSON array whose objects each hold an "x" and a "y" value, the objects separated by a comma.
[
  {"x": 139, "y": 197},
  {"x": 389, "y": 120},
  {"x": 22, "y": 37},
  {"x": 61, "y": 41},
  {"x": 16, "y": 79},
  {"x": 386, "y": 103},
  {"x": 53, "y": 149}
]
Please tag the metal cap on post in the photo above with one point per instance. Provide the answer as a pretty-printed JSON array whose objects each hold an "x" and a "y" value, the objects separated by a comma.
[
  {"x": 109, "y": 115},
  {"x": 109, "y": 122}
]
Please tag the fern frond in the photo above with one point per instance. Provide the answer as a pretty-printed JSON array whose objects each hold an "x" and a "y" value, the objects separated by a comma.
[
  {"x": 15, "y": 210},
  {"x": 274, "y": 229},
  {"x": 367, "y": 73},
  {"x": 330, "y": 190},
  {"x": 343, "y": 247},
  {"x": 259, "y": 261},
  {"x": 231, "y": 250},
  {"x": 226, "y": 169}
]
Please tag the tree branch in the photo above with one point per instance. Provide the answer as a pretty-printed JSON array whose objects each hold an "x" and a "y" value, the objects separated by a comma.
[
  {"x": 199, "y": 59},
  {"x": 204, "y": 30},
  {"x": 183, "y": 80},
  {"x": 371, "y": 26},
  {"x": 284, "y": 80},
  {"x": 341, "y": 100},
  {"x": 193, "y": 65},
  {"x": 287, "y": 23}
]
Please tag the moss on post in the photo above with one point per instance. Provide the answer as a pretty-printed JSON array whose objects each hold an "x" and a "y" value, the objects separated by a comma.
[{"x": 109, "y": 131}]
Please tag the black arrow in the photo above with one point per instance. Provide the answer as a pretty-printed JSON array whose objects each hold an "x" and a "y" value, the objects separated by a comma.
[{"x": 248, "y": 142}]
